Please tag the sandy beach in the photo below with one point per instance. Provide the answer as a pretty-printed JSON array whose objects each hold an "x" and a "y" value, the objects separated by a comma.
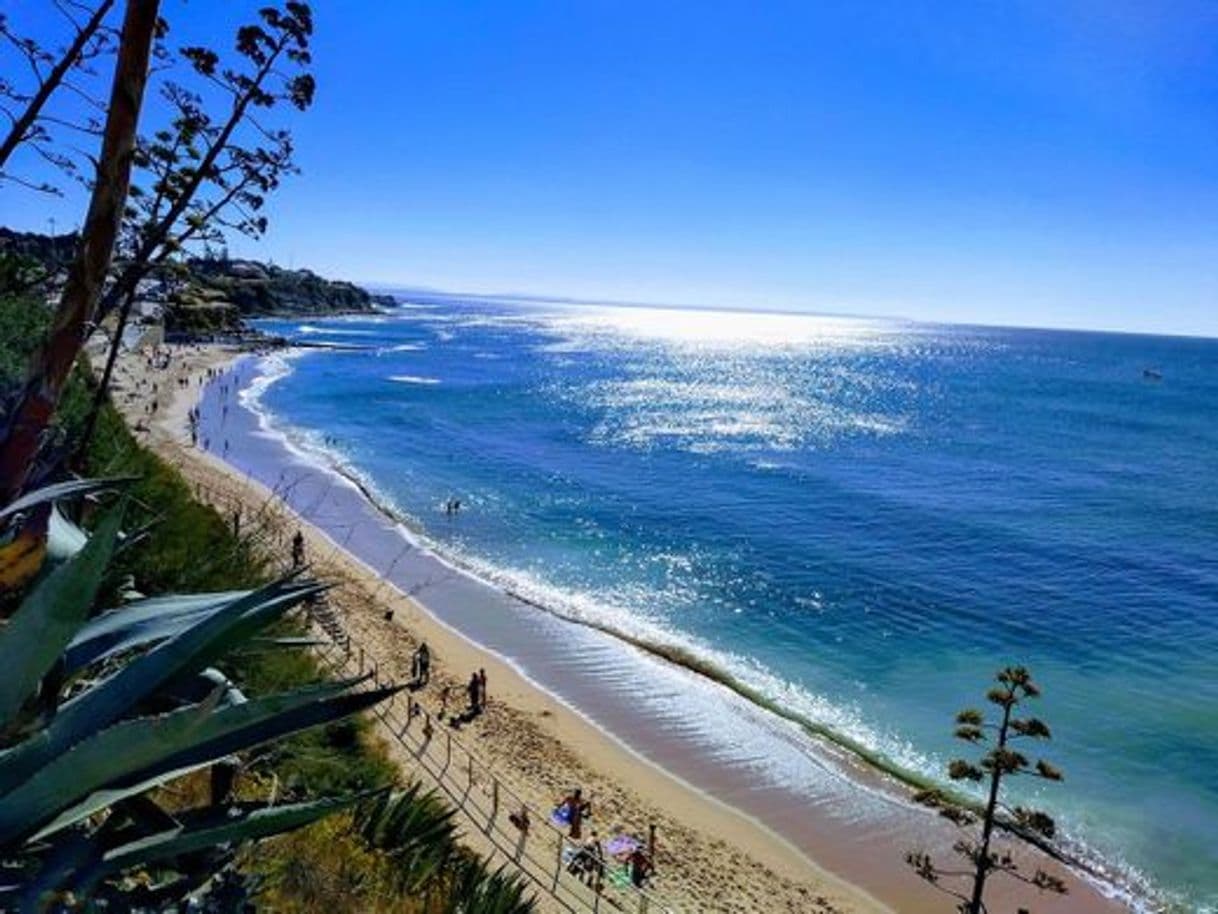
[{"x": 711, "y": 856}]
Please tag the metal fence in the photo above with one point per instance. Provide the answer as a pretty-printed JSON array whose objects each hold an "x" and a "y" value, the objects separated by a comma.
[{"x": 541, "y": 852}]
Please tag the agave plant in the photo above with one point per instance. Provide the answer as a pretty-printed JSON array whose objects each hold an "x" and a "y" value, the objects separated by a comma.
[
  {"x": 416, "y": 830},
  {"x": 97, "y": 709}
]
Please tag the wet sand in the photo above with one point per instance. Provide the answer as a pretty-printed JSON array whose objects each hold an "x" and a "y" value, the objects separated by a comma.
[{"x": 643, "y": 737}]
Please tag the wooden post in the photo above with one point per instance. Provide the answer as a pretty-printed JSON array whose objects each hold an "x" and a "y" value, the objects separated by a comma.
[
  {"x": 651, "y": 843},
  {"x": 448, "y": 749},
  {"x": 558, "y": 862},
  {"x": 494, "y": 801}
]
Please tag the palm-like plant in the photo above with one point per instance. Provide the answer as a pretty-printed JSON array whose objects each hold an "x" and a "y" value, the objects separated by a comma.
[
  {"x": 97, "y": 710},
  {"x": 416, "y": 831}
]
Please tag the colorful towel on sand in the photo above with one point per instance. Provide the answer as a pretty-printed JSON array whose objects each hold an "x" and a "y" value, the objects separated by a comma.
[
  {"x": 621, "y": 844},
  {"x": 619, "y": 877}
]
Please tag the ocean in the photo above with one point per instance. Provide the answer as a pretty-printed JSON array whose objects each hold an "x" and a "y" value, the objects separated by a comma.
[{"x": 859, "y": 520}]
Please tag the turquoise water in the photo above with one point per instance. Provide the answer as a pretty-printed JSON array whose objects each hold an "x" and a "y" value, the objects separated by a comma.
[{"x": 862, "y": 519}]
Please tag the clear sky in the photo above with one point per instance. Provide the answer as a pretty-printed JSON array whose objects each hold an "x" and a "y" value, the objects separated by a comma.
[{"x": 1050, "y": 164}]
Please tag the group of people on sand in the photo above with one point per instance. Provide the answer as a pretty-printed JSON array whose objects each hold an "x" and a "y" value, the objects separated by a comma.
[
  {"x": 590, "y": 861},
  {"x": 162, "y": 360},
  {"x": 475, "y": 690}
]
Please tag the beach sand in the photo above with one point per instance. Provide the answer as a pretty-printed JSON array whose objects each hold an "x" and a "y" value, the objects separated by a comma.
[{"x": 710, "y": 856}]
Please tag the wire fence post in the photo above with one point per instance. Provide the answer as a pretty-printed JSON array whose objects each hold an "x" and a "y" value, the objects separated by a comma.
[
  {"x": 494, "y": 800},
  {"x": 558, "y": 862}
]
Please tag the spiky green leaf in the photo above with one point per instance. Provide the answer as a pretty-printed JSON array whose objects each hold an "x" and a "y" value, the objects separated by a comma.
[
  {"x": 211, "y": 828},
  {"x": 130, "y": 753},
  {"x": 50, "y": 616},
  {"x": 61, "y": 490},
  {"x": 114, "y": 696}
]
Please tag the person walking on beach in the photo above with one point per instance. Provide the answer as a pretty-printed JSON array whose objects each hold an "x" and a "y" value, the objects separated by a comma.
[
  {"x": 474, "y": 687},
  {"x": 424, "y": 658},
  {"x": 593, "y": 862},
  {"x": 481, "y": 689},
  {"x": 298, "y": 550},
  {"x": 640, "y": 866},
  {"x": 577, "y": 808}
]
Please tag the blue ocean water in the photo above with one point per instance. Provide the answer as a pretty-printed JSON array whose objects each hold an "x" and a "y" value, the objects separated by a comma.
[{"x": 863, "y": 519}]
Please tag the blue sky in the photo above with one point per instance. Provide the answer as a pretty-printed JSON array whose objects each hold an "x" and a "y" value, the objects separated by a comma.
[{"x": 1049, "y": 164}]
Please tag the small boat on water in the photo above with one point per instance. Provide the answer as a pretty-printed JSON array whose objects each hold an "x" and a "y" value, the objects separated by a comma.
[{"x": 1151, "y": 374}]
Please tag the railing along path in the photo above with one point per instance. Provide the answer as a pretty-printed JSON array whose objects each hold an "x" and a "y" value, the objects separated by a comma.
[{"x": 542, "y": 853}]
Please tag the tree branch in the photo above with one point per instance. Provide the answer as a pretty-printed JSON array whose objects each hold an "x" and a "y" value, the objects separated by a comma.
[{"x": 52, "y": 81}]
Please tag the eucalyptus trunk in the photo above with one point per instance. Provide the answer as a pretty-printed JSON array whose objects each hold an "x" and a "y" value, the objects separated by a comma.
[{"x": 52, "y": 362}]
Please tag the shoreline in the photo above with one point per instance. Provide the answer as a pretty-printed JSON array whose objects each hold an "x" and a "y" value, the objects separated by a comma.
[{"x": 601, "y": 745}]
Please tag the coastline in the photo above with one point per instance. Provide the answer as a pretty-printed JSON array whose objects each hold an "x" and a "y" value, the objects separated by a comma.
[{"x": 549, "y": 744}]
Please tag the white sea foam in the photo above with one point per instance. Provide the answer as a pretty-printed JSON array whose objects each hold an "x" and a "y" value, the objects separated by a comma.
[
  {"x": 412, "y": 379},
  {"x": 310, "y": 329},
  {"x": 271, "y": 370}
]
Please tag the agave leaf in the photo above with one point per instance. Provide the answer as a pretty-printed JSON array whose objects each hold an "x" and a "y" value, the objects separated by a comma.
[
  {"x": 259, "y": 721},
  {"x": 75, "y": 851},
  {"x": 61, "y": 490},
  {"x": 64, "y": 538},
  {"x": 191, "y": 689},
  {"x": 101, "y": 799},
  {"x": 139, "y": 623},
  {"x": 146, "y": 748},
  {"x": 50, "y": 615},
  {"x": 210, "y": 828},
  {"x": 86, "y": 713}
]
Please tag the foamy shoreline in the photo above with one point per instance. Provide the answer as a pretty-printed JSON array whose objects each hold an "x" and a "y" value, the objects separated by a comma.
[{"x": 861, "y": 852}]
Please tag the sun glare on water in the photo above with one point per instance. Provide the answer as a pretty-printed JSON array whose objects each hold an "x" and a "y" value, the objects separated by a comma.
[{"x": 700, "y": 327}]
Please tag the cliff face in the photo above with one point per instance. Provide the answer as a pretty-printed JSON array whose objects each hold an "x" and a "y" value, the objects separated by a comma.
[
  {"x": 258, "y": 289},
  {"x": 212, "y": 294}
]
